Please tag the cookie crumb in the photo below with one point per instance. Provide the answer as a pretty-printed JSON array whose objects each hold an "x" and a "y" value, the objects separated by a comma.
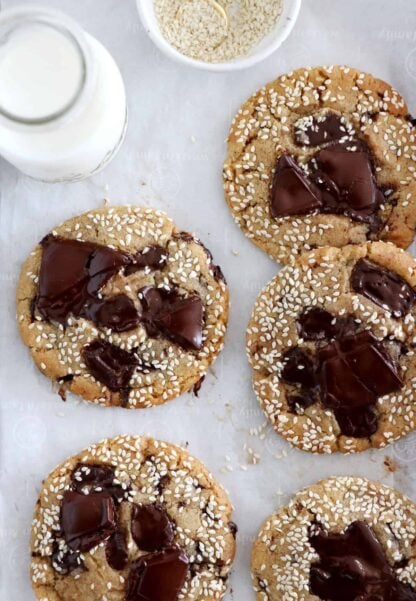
[{"x": 390, "y": 464}]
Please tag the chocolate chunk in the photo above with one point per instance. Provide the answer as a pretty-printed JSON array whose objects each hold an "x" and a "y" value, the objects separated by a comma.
[
  {"x": 71, "y": 274},
  {"x": 153, "y": 257},
  {"x": 354, "y": 372},
  {"x": 117, "y": 313},
  {"x": 293, "y": 193},
  {"x": 87, "y": 520},
  {"x": 116, "y": 551},
  {"x": 354, "y": 566},
  {"x": 382, "y": 286},
  {"x": 360, "y": 422},
  {"x": 298, "y": 368},
  {"x": 64, "y": 560},
  {"x": 366, "y": 356},
  {"x": 167, "y": 313},
  {"x": 151, "y": 527},
  {"x": 349, "y": 374},
  {"x": 158, "y": 576},
  {"x": 347, "y": 183},
  {"x": 109, "y": 364},
  {"x": 352, "y": 174},
  {"x": 316, "y": 131},
  {"x": 87, "y": 478},
  {"x": 300, "y": 401},
  {"x": 341, "y": 387},
  {"x": 317, "y": 324},
  {"x": 341, "y": 182}
]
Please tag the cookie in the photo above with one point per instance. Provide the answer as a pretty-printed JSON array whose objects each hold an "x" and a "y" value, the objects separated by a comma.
[
  {"x": 331, "y": 343},
  {"x": 322, "y": 156},
  {"x": 118, "y": 306},
  {"x": 131, "y": 518},
  {"x": 343, "y": 539}
]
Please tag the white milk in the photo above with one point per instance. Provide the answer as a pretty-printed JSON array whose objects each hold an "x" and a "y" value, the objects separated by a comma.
[{"x": 62, "y": 98}]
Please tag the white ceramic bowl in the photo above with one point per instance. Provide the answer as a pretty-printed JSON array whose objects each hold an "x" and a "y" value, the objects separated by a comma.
[{"x": 267, "y": 46}]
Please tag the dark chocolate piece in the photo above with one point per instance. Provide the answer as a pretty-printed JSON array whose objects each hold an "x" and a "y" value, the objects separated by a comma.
[
  {"x": 87, "y": 478},
  {"x": 87, "y": 520},
  {"x": 320, "y": 130},
  {"x": 300, "y": 401},
  {"x": 293, "y": 193},
  {"x": 71, "y": 274},
  {"x": 354, "y": 371},
  {"x": 317, "y": 324},
  {"x": 382, "y": 286},
  {"x": 109, "y": 364},
  {"x": 116, "y": 551},
  {"x": 345, "y": 177},
  {"x": 349, "y": 374},
  {"x": 359, "y": 422},
  {"x": 65, "y": 561},
  {"x": 298, "y": 368},
  {"x": 353, "y": 566},
  {"x": 167, "y": 313},
  {"x": 151, "y": 527},
  {"x": 116, "y": 312},
  {"x": 153, "y": 257},
  {"x": 158, "y": 576}
]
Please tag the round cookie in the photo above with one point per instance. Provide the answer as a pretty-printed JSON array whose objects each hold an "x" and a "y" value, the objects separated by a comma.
[
  {"x": 118, "y": 306},
  {"x": 131, "y": 518},
  {"x": 331, "y": 343},
  {"x": 342, "y": 539},
  {"x": 322, "y": 156}
]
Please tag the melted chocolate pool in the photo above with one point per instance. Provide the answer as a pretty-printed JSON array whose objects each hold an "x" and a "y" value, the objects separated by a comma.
[
  {"x": 348, "y": 374},
  {"x": 353, "y": 567},
  {"x": 339, "y": 180},
  {"x": 158, "y": 576},
  {"x": 382, "y": 286},
  {"x": 151, "y": 527}
]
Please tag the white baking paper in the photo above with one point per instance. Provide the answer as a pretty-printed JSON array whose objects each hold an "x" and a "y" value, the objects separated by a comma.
[{"x": 172, "y": 159}]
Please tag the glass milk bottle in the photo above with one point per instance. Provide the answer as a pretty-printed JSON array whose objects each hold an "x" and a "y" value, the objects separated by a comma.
[{"x": 63, "y": 111}]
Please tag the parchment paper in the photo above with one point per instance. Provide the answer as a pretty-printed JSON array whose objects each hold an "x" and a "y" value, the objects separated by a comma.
[{"x": 172, "y": 159}]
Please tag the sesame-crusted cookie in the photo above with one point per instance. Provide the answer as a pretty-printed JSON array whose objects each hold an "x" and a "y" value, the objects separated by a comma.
[
  {"x": 331, "y": 343},
  {"x": 132, "y": 518},
  {"x": 343, "y": 539},
  {"x": 322, "y": 156},
  {"x": 118, "y": 306}
]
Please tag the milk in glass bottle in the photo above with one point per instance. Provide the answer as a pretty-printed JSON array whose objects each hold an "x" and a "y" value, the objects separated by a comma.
[{"x": 63, "y": 111}]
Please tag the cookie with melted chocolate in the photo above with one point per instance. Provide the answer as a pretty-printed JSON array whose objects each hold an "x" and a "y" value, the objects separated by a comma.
[
  {"x": 138, "y": 517},
  {"x": 121, "y": 308},
  {"x": 336, "y": 541},
  {"x": 310, "y": 159},
  {"x": 331, "y": 345}
]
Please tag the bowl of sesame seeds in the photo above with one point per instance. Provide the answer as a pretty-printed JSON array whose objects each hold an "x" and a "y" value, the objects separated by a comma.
[{"x": 218, "y": 35}]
